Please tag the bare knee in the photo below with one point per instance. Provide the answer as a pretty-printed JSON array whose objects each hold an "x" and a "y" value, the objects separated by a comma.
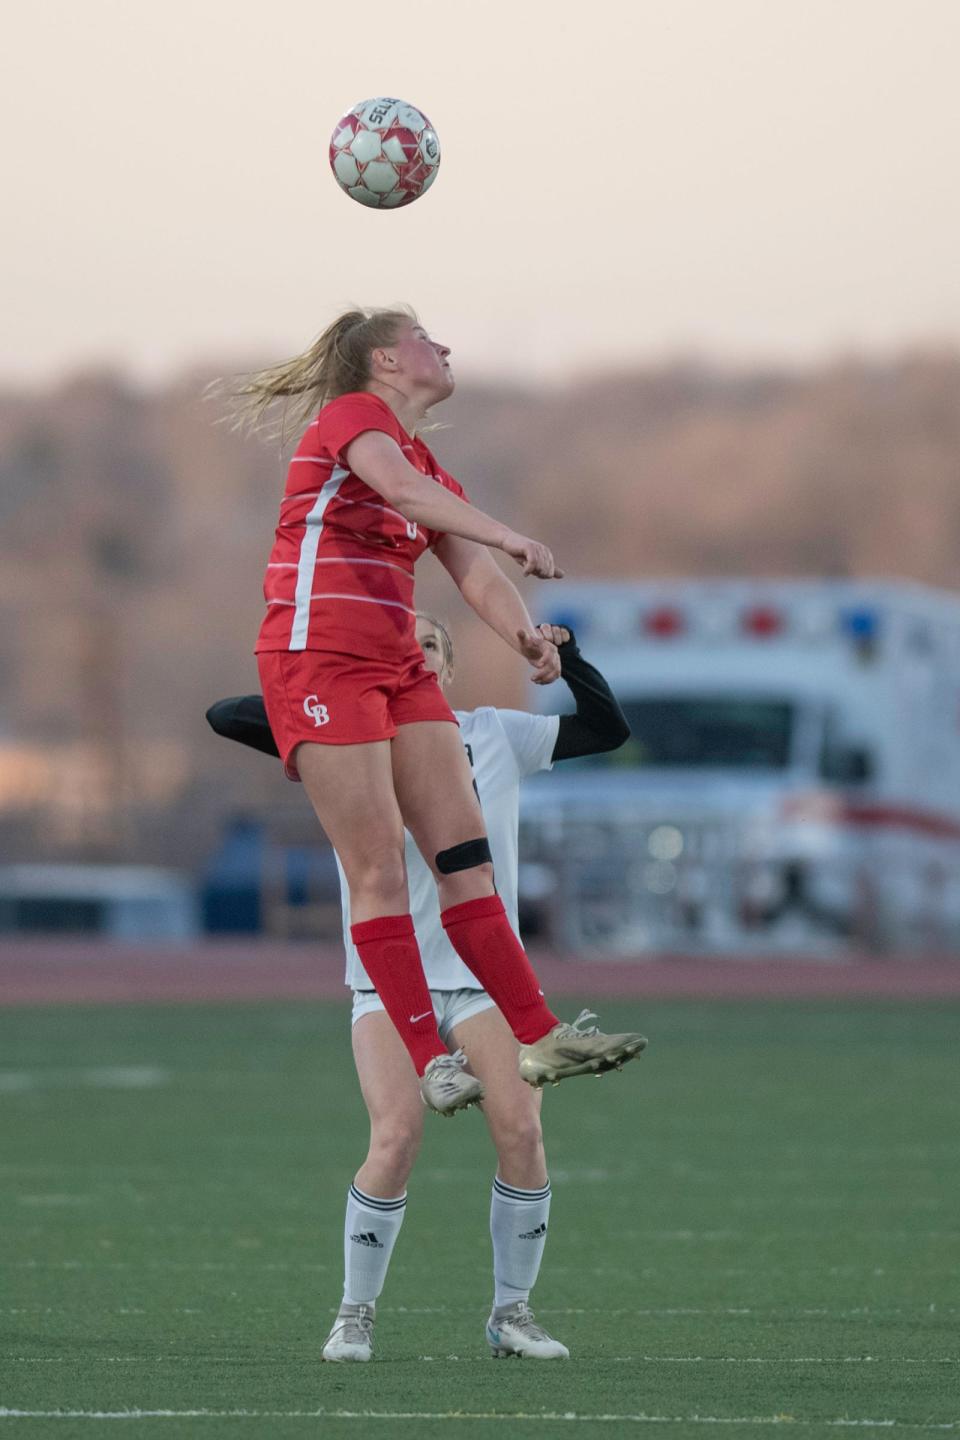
[
  {"x": 519, "y": 1143},
  {"x": 523, "y": 1134},
  {"x": 393, "y": 1150},
  {"x": 376, "y": 873}
]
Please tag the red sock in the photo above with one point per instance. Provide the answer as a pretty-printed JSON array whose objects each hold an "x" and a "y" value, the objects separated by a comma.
[
  {"x": 481, "y": 934},
  {"x": 390, "y": 955}
]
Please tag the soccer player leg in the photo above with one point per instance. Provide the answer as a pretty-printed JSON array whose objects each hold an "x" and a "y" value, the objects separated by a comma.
[
  {"x": 351, "y": 789},
  {"x": 441, "y": 810},
  {"x": 377, "y": 1199},
  {"x": 520, "y": 1202}
]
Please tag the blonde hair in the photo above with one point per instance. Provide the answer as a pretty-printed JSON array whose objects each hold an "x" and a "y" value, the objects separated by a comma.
[{"x": 337, "y": 363}]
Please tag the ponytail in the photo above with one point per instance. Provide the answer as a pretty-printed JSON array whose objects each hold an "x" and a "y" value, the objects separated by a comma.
[{"x": 337, "y": 363}]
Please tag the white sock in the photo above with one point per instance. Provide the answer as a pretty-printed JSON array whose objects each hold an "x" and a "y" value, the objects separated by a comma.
[
  {"x": 518, "y": 1228},
  {"x": 370, "y": 1231}
]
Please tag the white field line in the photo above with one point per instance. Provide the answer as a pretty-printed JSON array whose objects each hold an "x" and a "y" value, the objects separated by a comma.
[
  {"x": 215, "y": 1265},
  {"x": 755, "y": 1239},
  {"x": 111, "y": 1077},
  {"x": 478, "y": 1360},
  {"x": 743, "y": 1359},
  {"x": 568, "y": 1416},
  {"x": 661, "y": 1313},
  {"x": 792, "y": 1359},
  {"x": 57, "y": 1199},
  {"x": 666, "y": 1312},
  {"x": 648, "y": 1271}
]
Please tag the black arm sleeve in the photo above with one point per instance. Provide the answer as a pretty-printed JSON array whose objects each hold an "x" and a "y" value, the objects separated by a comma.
[
  {"x": 599, "y": 724},
  {"x": 244, "y": 718}
]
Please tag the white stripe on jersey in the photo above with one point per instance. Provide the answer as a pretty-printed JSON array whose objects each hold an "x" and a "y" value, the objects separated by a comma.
[
  {"x": 339, "y": 560},
  {"x": 312, "y": 460},
  {"x": 370, "y": 504},
  {"x": 308, "y": 559},
  {"x": 363, "y": 599},
  {"x": 301, "y": 495},
  {"x": 360, "y": 599},
  {"x": 373, "y": 505}
]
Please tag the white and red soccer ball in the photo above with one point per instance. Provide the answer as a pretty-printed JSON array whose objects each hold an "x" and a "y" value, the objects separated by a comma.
[{"x": 384, "y": 153}]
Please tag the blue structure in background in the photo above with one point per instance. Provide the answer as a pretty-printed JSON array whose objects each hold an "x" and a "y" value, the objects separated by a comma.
[
  {"x": 137, "y": 903},
  {"x": 231, "y": 889},
  {"x": 250, "y": 871}
]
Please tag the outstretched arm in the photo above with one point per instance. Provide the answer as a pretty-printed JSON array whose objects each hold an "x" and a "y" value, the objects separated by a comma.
[
  {"x": 381, "y": 464},
  {"x": 496, "y": 600},
  {"x": 599, "y": 724}
]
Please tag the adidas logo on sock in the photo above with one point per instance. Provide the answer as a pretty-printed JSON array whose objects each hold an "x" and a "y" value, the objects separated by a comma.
[
  {"x": 367, "y": 1237},
  {"x": 533, "y": 1234}
]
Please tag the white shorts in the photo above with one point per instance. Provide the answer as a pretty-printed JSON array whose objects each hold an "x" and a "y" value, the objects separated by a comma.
[{"x": 449, "y": 1006}]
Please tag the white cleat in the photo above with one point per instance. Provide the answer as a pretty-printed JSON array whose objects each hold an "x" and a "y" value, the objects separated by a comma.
[
  {"x": 512, "y": 1330},
  {"x": 352, "y": 1335},
  {"x": 565, "y": 1050},
  {"x": 446, "y": 1086}
]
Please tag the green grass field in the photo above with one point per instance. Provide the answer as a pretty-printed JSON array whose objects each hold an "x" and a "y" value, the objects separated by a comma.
[{"x": 755, "y": 1225}]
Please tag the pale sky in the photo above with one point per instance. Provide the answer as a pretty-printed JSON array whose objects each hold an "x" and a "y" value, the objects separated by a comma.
[{"x": 621, "y": 180}]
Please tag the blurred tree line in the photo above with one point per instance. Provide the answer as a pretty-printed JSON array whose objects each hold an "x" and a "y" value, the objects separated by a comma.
[{"x": 134, "y": 527}]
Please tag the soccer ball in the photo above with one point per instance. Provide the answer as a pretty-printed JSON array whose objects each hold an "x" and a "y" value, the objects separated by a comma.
[{"x": 384, "y": 153}]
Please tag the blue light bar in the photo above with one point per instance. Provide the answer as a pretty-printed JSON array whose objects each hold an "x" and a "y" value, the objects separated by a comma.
[
  {"x": 573, "y": 620},
  {"x": 860, "y": 625}
]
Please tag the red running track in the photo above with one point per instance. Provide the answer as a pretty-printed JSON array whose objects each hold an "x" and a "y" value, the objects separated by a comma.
[{"x": 63, "y": 972}]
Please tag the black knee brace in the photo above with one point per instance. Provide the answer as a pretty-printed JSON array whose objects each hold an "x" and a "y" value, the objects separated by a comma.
[{"x": 465, "y": 856}]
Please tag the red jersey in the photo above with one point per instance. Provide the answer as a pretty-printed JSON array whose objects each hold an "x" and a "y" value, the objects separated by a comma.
[{"x": 340, "y": 575}]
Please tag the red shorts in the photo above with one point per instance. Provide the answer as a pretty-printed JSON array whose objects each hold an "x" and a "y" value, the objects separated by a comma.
[{"x": 328, "y": 699}]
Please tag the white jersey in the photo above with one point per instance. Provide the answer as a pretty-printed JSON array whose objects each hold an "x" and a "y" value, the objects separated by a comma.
[{"x": 502, "y": 746}]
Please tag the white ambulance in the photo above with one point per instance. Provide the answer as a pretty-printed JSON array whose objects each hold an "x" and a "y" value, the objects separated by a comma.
[{"x": 792, "y": 781}]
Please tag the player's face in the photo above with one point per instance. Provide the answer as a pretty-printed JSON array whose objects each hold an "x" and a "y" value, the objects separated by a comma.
[
  {"x": 431, "y": 643},
  {"x": 422, "y": 363}
]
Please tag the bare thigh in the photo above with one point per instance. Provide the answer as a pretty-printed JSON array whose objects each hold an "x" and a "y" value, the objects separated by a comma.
[
  {"x": 351, "y": 789},
  {"x": 511, "y": 1107},
  {"x": 434, "y": 787},
  {"x": 391, "y": 1093}
]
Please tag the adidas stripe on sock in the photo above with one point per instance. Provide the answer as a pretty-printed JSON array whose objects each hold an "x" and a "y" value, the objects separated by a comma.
[
  {"x": 518, "y": 1229},
  {"x": 370, "y": 1231}
]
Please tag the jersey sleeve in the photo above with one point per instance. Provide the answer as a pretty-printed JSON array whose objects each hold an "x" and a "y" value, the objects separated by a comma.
[
  {"x": 454, "y": 486},
  {"x": 345, "y": 418},
  {"x": 531, "y": 738}
]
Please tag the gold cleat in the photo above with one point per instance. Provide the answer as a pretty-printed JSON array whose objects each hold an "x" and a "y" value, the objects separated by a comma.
[{"x": 569, "y": 1050}]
